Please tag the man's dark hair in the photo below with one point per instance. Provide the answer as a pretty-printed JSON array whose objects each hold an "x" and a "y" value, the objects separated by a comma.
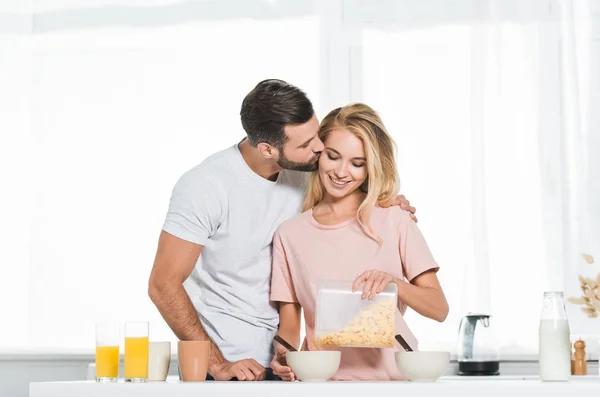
[{"x": 269, "y": 107}]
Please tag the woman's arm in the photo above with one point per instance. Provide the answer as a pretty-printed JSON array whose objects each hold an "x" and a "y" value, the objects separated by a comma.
[
  {"x": 289, "y": 323},
  {"x": 424, "y": 295},
  {"x": 289, "y": 329},
  {"x": 422, "y": 292}
]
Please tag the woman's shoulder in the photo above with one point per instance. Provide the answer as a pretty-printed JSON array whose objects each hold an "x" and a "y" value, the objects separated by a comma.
[{"x": 389, "y": 214}]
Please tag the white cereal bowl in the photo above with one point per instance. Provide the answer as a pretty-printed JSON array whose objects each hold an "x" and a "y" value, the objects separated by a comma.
[
  {"x": 422, "y": 366},
  {"x": 314, "y": 366}
]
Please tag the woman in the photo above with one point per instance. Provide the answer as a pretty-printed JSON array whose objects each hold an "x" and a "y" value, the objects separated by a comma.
[{"x": 349, "y": 231}]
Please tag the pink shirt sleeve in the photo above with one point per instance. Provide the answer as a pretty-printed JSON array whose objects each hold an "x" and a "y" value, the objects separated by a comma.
[
  {"x": 414, "y": 252},
  {"x": 282, "y": 286}
]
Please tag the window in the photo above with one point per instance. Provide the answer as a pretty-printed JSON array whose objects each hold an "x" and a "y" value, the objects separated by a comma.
[
  {"x": 101, "y": 114},
  {"x": 117, "y": 115},
  {"x": 474, "y": 108}
]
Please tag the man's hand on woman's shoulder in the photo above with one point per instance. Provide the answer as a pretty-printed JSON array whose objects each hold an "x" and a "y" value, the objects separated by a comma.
[{"x": 405, "y": 205}]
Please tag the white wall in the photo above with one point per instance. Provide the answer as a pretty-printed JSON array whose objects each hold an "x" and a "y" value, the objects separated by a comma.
[{"x": 17, "y": 372}]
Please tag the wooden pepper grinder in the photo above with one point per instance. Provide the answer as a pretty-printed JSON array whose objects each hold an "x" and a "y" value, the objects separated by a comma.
[
  {"x": 572, "y": 354},
  {"x": 580, "y": 365}
]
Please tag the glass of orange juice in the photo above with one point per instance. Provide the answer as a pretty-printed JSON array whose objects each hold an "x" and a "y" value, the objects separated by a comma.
[
  {"x": 107, "y": 352},
  {"x": 136, "y": 351}
]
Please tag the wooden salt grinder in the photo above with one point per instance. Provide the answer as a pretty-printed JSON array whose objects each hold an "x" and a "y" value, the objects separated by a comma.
[{"x": 580, "y": 365}]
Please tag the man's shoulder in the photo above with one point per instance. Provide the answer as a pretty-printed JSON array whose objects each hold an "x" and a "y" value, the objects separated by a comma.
[
  {"x": 218, "y": 161},
  {"x": 211, "y": 169},
  {"x": 205, "y": 179}
]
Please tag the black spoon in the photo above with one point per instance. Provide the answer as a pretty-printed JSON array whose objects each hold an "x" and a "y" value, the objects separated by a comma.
[
  {"x": 403, "y": 343},
  {"x": 285, "y": 344}
]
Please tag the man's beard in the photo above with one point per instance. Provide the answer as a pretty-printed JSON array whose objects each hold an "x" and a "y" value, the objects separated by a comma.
[{"x": 288, "y": 164}]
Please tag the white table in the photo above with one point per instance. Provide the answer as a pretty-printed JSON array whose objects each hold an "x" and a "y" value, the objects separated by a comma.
[{"x": 502, "y": 386}]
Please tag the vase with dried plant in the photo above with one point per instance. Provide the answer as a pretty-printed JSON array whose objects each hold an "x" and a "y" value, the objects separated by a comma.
[{"x": 590, "y": 289}]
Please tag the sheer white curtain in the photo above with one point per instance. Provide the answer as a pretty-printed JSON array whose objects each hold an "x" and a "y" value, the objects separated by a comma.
[
  {"x": 104, "y": 103},
  {"x": 97, "y": 122},
  {"x": 485, "y": 105},
  {"x": 581, "y": 84}
]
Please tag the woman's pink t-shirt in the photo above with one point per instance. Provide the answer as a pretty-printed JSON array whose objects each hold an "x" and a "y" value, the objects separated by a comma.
[{"x": 305, "y": 250}]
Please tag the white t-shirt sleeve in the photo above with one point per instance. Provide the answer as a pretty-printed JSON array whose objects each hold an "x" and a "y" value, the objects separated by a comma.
[{"x": 196, "y": 207}]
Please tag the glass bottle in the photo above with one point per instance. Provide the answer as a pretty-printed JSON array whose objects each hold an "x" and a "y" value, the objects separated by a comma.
[{"x": 554, "y": 339}]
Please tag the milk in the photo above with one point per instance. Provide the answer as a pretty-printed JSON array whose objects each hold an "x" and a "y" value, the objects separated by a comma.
[
  {"x": 159, "y": 360},
  {"x": 555, "y": 350}
]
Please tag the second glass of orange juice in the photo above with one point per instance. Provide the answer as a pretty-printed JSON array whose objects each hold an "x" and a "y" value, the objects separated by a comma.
[{"x": 136, "y": 351}]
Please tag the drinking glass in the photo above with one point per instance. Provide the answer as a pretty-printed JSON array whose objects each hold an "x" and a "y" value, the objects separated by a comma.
[
  {"x": 107, "y": 352},
  {"x": 136, "y": 351}
]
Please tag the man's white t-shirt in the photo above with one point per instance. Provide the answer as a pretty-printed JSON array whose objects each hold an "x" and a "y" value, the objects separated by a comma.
[{"x": 233, "y": 212}]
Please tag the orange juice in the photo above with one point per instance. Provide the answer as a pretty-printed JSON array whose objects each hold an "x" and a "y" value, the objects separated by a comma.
[
  {"x": 107, "y": 361},
  {"x": 136, "y": 357}
]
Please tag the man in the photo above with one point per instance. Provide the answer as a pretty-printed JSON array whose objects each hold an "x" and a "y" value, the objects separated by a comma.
[{"x": 218, "y": 231}]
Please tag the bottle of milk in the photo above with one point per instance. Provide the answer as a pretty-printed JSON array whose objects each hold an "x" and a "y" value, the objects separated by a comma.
[{"x": 554, "y": 348}]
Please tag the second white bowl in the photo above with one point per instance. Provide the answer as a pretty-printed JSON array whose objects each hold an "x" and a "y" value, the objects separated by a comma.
[
  {"x": 314, "y": 366},
  {"x": 422, "y": 366}
]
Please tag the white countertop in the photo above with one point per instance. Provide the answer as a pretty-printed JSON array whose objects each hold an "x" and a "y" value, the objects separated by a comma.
[{"x": 501, "y": 386}]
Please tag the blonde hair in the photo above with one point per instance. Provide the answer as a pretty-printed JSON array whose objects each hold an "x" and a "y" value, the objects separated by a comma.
[{"x": 382, "y": 182}]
